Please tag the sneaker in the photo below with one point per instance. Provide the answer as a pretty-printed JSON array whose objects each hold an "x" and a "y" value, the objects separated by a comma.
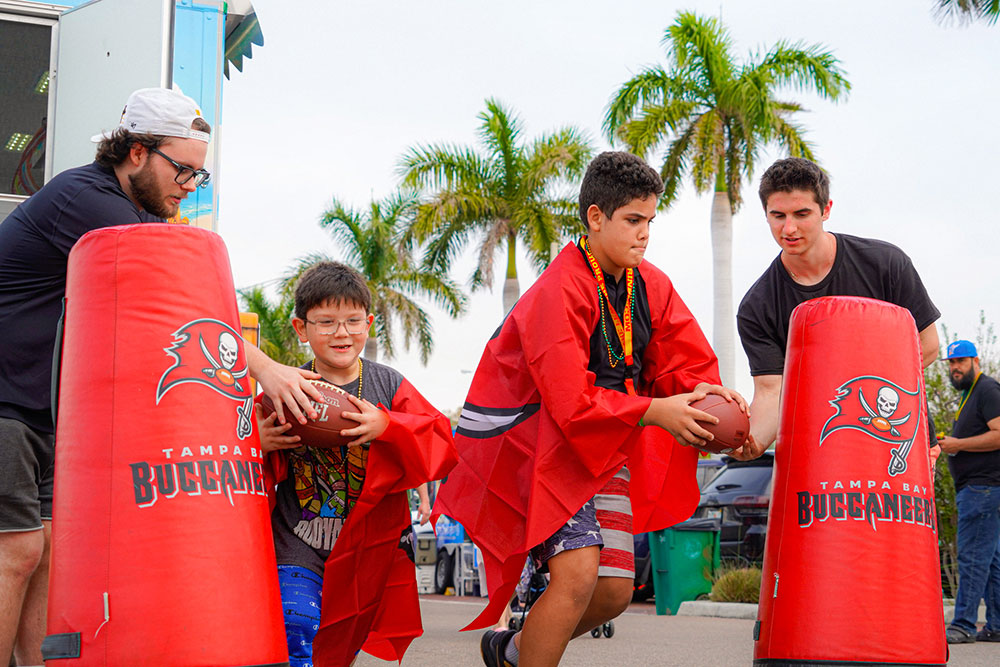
[
  {"x": 956, "y": 635},
  {"x": 492, "y": 647},
  {"x": 987, "y": 635}
]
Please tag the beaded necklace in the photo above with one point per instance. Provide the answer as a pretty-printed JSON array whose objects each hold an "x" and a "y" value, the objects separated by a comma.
[
  {"x": 361, "y": 373},
  {"x": 622, "y": 329}
]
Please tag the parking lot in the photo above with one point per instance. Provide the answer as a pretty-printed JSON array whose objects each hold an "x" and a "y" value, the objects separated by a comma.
[{"x": 641, "y": 638}]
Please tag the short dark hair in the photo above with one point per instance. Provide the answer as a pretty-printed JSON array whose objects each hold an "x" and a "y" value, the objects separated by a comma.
[
  {"x": 113, "y": 149},
  {"x": 795, "y": 173},
  {"x": 330, "y": 281},
  {"x": 613, "y": 179}
]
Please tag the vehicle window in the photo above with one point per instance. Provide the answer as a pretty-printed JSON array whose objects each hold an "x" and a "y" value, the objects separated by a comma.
[{"x": 752, "y": 479}]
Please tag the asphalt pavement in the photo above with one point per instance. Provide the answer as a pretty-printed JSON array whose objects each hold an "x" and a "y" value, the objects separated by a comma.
[{"x": 640, "y": 638}]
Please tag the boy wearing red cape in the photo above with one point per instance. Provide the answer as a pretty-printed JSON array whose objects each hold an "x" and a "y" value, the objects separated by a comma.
[
  {"x": 559, "y": 454},
  {"x": 340, "y": 517}
]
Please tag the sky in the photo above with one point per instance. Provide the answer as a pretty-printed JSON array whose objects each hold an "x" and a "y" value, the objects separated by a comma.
[{"x": 337, "y": 93}]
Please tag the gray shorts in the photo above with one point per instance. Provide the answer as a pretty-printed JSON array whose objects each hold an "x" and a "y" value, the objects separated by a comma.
[{"x": 27, "y": 464}]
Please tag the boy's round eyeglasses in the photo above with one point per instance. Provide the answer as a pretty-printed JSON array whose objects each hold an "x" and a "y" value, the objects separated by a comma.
[
  {"x": 353, "y": 326},
  {"x": 185, "y": 174}
]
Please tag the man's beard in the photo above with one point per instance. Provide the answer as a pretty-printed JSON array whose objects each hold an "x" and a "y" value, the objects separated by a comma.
[
  {"x": 963, "y": 381},
  {"x": 148, "y": 194}
]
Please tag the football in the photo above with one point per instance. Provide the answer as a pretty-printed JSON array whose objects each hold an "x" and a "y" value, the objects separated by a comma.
[
  {"x": 324, "y": 431},
  {"x": 733, "y": 427}
]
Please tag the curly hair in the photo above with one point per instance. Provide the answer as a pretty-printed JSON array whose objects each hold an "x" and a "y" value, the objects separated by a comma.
[
  {"x": 615, "y": 178},
  {"x": 113, "y": 150},
  {"x": 795, "y": 173},
  {"x": 330, "y": 281}
]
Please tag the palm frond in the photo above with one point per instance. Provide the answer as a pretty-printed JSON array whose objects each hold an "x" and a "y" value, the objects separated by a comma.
[
  {"x": 413, "y": 320},
  {"x": 438, "y": 289},
  {"x": 442, "y": 166},
  {"x": 805, "y": 68},
  {"x": 965, "y": 12},
  {"x": 650, "y": 87},
  {"x": 708, "y": 148},
  {"x": 700, "y": 44},
  {"x": 499, "y": 132},
  {"x": 675, "y": 165},
  {"x": 496, "y": 233},
  {"x": 791, "y": 136},
  {"x": 562, "y": 155},
  {"x": 645, "y": 132}
]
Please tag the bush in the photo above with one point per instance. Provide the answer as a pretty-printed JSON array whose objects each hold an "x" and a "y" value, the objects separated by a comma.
[{"x": 741, "y": 585}]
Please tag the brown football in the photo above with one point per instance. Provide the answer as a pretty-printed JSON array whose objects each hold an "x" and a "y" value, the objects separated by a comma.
[
  {"x": 733, "y": 427},
  {"x": 324, "y": 431}
]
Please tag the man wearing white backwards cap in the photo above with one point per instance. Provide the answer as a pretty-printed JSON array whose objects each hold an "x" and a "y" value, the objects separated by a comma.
[{"x": 142, "y": 171}]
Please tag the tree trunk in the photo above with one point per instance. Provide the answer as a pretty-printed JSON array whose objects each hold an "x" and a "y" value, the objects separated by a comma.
[
  {"x": 511, "y": 290},
  {"x": 723, "y": 321},
  {"x": 371, "y": 348}
]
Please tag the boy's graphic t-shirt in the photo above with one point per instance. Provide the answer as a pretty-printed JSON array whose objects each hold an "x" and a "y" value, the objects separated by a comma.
[{"x": 323, "y": 485}]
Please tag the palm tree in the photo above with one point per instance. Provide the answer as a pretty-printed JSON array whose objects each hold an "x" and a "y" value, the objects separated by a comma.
[
  {"x": 376, "y": 243},
  {"x": 715, "y": 115},
  {"x": 277, "y": 337},
  {"x": 505, "y": 193},
  {"x": 968, "y": 11}
]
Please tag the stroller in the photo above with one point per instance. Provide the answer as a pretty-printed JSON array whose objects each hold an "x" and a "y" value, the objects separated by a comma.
[{"x": 529, "y": 589}]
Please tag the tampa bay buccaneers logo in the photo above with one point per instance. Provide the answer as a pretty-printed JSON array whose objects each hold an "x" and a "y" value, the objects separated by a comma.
[
  {"x": 207, "y": 352},
  {"x": 880, "y": 409}
]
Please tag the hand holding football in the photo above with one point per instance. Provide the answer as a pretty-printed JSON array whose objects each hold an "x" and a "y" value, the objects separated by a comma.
[
  {"x": 324, "y": 431},
  {"x": 733, "y": 427}
]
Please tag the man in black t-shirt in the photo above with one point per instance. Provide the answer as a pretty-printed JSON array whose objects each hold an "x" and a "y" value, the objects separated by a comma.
[
  {"x": 974, "y": 460},
  {"x": 140, "y": 175},
  {"x": 142, "y": 171},
  {"x": 813, "y": 263}
]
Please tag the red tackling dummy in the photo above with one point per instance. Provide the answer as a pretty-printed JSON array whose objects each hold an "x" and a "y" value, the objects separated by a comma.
[
  {"x": 161, "y": 544},
  {"x": 369, "y": 585},
  {"x": 851, "y": 573},
  {"x": 537, "y": 438}
]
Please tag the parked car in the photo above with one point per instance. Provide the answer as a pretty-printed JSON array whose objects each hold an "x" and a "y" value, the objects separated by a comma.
[
  {"x": 642, "y": 588},
  {"x": 738, "y": 497}
]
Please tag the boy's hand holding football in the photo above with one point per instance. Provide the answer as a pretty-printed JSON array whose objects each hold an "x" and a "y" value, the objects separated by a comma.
[
  {"x": 372, "y": 422},
  {"x": 271, "y": 432},
  {"x": 680, "y": 419}
]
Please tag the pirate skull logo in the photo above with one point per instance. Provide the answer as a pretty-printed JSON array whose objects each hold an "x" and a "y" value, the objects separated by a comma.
[
  {"x": 228, "y": 350},
  {"x": 886, "y": 403},
  {"x": 222, "y": 369}
]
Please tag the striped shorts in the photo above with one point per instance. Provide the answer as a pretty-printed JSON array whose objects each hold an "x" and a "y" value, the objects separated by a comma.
[{"x": 604, "y": 521}]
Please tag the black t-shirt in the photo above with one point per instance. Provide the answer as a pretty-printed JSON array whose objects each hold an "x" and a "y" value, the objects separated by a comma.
[
  {"x": 613, "y": 377},
  {"x": 322, "y": 486},
  {"x": 863, "y": 267},
  {"x": 35, "y": 240},
  {"x": 978, "y": 468}
]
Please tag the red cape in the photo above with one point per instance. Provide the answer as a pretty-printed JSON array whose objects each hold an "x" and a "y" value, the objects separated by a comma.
[
  {"x": 537, "y": 438},
  {"x": 369, "y": 585}
]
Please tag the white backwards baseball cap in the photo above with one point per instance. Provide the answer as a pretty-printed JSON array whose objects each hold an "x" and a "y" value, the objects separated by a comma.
[{"x": 161, "y": 111}]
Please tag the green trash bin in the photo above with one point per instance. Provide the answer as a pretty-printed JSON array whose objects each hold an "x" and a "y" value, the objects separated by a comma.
[{"x": 684, "y": 560}]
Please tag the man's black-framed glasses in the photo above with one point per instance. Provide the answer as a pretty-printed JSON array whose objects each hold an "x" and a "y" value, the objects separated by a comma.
[{"x": 185, "y": 174}]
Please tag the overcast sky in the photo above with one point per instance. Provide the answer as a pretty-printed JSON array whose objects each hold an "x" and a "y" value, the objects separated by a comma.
[{"x": 338, "y": 92}]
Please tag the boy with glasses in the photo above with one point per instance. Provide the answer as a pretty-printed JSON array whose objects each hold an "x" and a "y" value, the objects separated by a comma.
[
  {"x": 340, "y": 516},
  {"x": 554, "y": 456}
]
